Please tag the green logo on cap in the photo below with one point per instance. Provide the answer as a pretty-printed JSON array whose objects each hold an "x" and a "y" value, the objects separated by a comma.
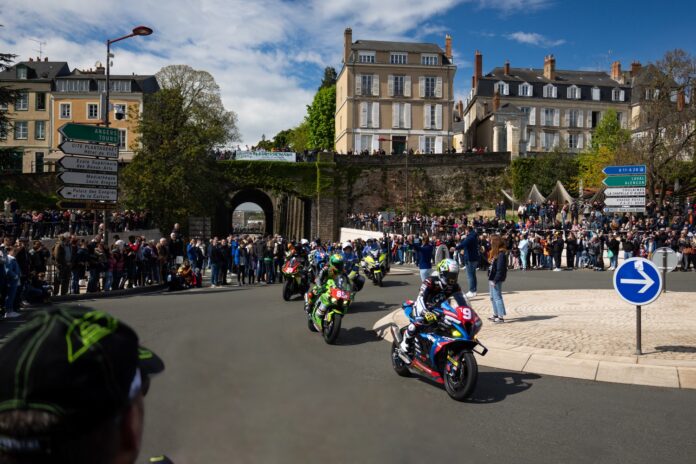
[{"x": 88, "y": 330}]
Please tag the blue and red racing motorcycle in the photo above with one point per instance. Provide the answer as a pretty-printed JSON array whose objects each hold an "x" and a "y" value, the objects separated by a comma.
[{"x": 443, "y": 351}]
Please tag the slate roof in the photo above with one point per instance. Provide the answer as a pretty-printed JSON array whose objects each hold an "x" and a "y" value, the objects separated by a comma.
[
  {"x": 532, "y": 75},
  {"x": 139, "y": 83},
  {"x": 37, "y": 70},
  {"x": 382, "y": 46}
]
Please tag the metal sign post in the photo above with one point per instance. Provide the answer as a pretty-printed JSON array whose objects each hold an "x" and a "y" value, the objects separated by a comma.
[{"x": 639, "y": 331}]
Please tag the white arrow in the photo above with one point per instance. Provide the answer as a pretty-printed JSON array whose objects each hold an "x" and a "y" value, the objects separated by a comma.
[{"x": 646, "y": 281}]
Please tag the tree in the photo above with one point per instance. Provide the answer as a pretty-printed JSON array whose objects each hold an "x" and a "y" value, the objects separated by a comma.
[
  {"x": 298, "y": 140},
  {"x": 608, "y": 138},
  {"x": 7, "y": 95},
  {"x": 201, "y": 101},
  {"x": 665, "y": 136},
  {"x": 329, "y": 78},
  {"x": 264, "y": 144},
  {"x": 172, "y": 173},
  {"x": 321, "y": 116}
]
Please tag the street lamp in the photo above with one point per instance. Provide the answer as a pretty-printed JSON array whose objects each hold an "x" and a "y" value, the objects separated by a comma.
[{"x": 138, "y": 30}]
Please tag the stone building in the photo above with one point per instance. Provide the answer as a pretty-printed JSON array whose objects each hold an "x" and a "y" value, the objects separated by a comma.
[
  {"x": 394, "y": 96},
  {"x": 524, "y": 110}
]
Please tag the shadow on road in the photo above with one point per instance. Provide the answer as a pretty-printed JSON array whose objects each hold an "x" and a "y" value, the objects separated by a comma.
[
  {"x": 493, "y": 387},
  {"x": 394, "y": 283},
  {"x": 528, "y": 319},
  {"x": 676, "y": 349},
  {"x": 357, "y": 336}
]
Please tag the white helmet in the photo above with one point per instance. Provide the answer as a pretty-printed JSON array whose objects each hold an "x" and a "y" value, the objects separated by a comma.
[
  {"x": 346, "y": 245},
  {"x": 304, "y": 241}
]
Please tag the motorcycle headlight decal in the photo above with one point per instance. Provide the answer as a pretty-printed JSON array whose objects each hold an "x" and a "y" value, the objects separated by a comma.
[
  {"x": 334, "y": 300},
  {"x": 456, "y": 333}
]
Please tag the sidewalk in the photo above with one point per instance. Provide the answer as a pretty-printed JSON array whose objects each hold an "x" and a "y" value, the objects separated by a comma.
[{"x": 587, "y": 334}]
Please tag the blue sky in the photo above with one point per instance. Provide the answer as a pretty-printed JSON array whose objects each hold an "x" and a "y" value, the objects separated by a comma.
[{"x": 268, "y": 55}]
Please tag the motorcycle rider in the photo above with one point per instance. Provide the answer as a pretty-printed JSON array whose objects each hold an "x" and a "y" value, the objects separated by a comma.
[
  {"x": 350, "y": 260},
  {"x": 433, "y": 291},
  {"x": 331, "y": 270}
]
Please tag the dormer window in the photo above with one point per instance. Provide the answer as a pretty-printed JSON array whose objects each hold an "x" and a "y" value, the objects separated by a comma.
[
  {"x": 573, "y": 92},
  {"x": 525, "y": 90},
  {"x": 502, "y": 87},
  {"x": 550, "y": 91},
  {"x": 429, "y": 59},
  {"x": 398, "y": 58},
  {"x": 596, "y": 94},
  {"x": 22, "y": 72},
  {"x": 366, "y": 57},
  {"x": 617, "y": 95}
]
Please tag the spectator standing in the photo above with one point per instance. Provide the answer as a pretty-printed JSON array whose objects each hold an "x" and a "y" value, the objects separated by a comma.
[
  {"x": 497, "y": 273},
  {"x": 557, "y": 250},
  {"x": 12, "y": 277},
  {"x": 424, "y": 254},
  {"x": 470, "y": 245},
  {"x": 523, "y": 246}
]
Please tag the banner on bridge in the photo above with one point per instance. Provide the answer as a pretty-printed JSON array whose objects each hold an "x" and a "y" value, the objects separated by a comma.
[{"x": 287, "y": 156}]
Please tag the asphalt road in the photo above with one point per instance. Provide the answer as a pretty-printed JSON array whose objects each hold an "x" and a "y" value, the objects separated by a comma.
[{"x": 246, "y": 382}]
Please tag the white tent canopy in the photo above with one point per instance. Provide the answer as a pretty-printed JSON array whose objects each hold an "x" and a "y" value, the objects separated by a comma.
[
  {"x": 559, "y": 194},
  {"x": 535, "y": 195}
]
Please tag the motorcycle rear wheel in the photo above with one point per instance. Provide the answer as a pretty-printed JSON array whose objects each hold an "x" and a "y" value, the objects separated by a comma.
[
  {"x": 287, "y": 290},
  {"x": 462, "y": 387},
  {"x": 331, "y": 329}
]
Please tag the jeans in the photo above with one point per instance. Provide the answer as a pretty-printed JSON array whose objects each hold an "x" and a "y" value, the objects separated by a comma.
[
  {"x": 11, "y": 293},
  {"x": 471, "y": 267},
  {"x": 425, "y": 273},
  {"x": 108, "y": 280},
  {"x": 523, "y": 259},
  {"x": 75, "y": 284},
  {"x": 496, "y": 293},
  {"x": 614, "y": 261},
  {"x": 215, "y": 271}
]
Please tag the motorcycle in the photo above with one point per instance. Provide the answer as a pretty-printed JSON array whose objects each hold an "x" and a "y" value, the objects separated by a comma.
[
  {"x": 295, "y": 281},
  {"x": 444, "y": 351},
  {"x": 339, "y": 296},
  {"x": 375, "y": 266}
]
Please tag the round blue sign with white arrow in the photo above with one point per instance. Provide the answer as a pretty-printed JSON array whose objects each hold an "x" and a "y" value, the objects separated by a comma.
[{"x": 638, "y": 281}]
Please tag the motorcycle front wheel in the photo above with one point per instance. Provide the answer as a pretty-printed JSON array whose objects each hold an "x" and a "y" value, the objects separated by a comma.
[
  {"x": 331, "y": 329},
  {"x": 287, "y": 290},
  {"x": 379, "y": 279},
  {"x": 462, "y": 383},
  {"x": 398, "y": 364}
]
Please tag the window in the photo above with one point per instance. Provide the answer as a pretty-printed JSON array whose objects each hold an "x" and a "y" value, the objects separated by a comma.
[
  {"x": 40, "y": 130},
  {"x": 573, "y": 118},
  {"x": 11, "y": 161},
  {"x": 39, "y": 161},
  {"x": 40, "y": 101},
  {"x": 22, "y": 102},
  {"x": 432, "y": 117},
  {"x": 21, "y": 130},
  {"x": 366, "y": 84},
  {"x": 429, "y": 60},
  {"x": 596, "y": 116},
  {"x": 573, "y": 141},
  {"x": 122, "y": 139},
  {"x": 398, "y": 58},
  {"x": 531, "y": 139},
  {"x": 652, "y": 94},
  {"x": 617, "y": 95},
  {"x": 430, "y": 87},
  {"x": 366, "y": 57},
  {"x": 398, "y": 86},
  {"x": 526, "y": 111},
  {"x": 119, "y": 108},
  {"x": 366, "y": 142},
  {"x": 550, "y": 91},
  {"x": 548, "y": 140},
  {"x": 3, "y": 130},
  {"x": 619, "y": 118},
  {"x": 548, "y": 116},
  {"x": 595, "y": 94},
  {"x": 21, "y": 72},
  {"x": 92, "y": 111},
  {"x": 65, "y": 111},
  {"x": 502, "y": 88},
  {"x": 401, "y": 115},
  {"x": 72, "y": 85},
  {"x": 525, "y": 90},
  {"x": 573, "y": 92},
  {"x": 369, "y": 114},
  {"x": 429, "y": 144},
  {"x": 3, "y": 106}
]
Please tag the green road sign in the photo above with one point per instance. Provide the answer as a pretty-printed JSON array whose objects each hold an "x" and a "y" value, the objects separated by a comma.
[
  {"x": 625, "y": 181},
  {"x": 89, "y": 133}
]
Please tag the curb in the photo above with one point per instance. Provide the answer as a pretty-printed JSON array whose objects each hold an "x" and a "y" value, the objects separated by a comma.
[
  {"x": 567, "y": 364},
  {"x": 111, "y": 294}
]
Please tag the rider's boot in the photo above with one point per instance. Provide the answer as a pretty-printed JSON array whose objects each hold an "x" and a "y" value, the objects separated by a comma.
[{"x": 405, "y": 347}]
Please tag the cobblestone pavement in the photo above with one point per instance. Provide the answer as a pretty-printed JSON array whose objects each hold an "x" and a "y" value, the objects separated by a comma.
[{"x": 594, "y": 322}]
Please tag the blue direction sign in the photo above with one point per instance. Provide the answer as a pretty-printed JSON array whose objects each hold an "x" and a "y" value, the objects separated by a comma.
[
  {"x": 618, "y": 170},
  {"x": 638, "y": 281}
]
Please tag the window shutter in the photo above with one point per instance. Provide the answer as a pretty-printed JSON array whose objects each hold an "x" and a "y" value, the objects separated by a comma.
[
  {"x": 427, "y": 123},
  {"x": 580, "y": 141},
  {"x": 438, "y": 144},
  {"x": 581, "y": 118},
  {"x": 532, "y": 139},
  {"x": 395, "y": 115},
  {"x": 556, "y": 139},
  {"x": 407, "y": 86},
  {"x": 543, "y": 140},
  {"x": 589, "y": 139},
  {"x": 375, "y": 85},
  {"x": 554, "y": 91},
  {"x": 421, "y": 143},
  {"x": 375, "y": 115},
  {"x": 357, "y": 143},
  {"x": 532, "y": 116},
  {"x": 390, "y": 86},
  {"x": 407, "y": 115},
  {"x": 363, "y": 114},
  {"x": 556, "y": 117},
  {"x": 438, "y": 117},
  {"x": 566, "y": 118},
  {"x": 595, "y": 94},
  {"x": 568, "y": 92},
  {"x": 622, "y": 95},
  {"x": 542, "y": 113},
  {"x": 589, "y": 119},
  {"x": 358, "y": 84},
  {"x": 421, "y": 86},
  {"x": 438, "y": 87},
  {"x": 578, "y": 93},
  {"x": 506, "y": 89}
]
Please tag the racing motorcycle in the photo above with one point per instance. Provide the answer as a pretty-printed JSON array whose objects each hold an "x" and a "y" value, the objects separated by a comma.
[
  {"x": 295, "y": 281},
  {"x": 444, "y": 351},
  {"x": 339, "y": 295},
  {"x": 375, "y": 266}
]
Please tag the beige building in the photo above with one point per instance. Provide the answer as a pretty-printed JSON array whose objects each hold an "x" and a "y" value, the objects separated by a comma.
[
  {"x": 525, "y": 110},
  {"x": 28, "y": 138},
  {"x": 394, "y": 96}
]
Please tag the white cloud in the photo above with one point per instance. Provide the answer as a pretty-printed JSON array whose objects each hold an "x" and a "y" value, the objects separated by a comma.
[
  {"x": 533, "y": 38},
  {"x": 515, "y": 6}
]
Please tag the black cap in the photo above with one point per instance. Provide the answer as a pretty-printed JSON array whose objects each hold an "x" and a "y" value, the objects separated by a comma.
[{"x": 81, "y": 365}]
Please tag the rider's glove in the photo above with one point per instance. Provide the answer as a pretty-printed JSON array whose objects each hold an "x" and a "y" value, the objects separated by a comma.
[{"x": 429, "y": 317}]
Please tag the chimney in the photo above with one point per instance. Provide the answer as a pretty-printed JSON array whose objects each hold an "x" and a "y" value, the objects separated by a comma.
[
  {"x": 99, "y": 69},
  {"x": 496, "y": 100},
  {"x": 46, "y": 58},
  {"x": 550, "y": 67},
  {"x": 478, "y": 68},
  {"x": 448, "y": 47},
  {"x": 507, "y": 67},
  {"x": 616, "y": 70},
  {"x": 460, "y": 104},
  {"x": 681, "y": 100},
  {"x": 347, "y": 42},
  {"x": 635, "y": 68}
]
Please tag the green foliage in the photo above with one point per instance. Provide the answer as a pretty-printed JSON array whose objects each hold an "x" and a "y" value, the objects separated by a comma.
[
  {"x": 7, "y": 95},
  {"x": 543, "y": 171},
  {"x": 172, "y": 174},
  {"x": 28, "y": 198},
  {"x": 607, "y": 139},
  {"x": 329, "y": 78},
  {"x": 609, "y": 133},
  {"x": 264, "y": 144},
  {"x": 298, "y": 138},
  {"x": 321, "y": 119}
]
